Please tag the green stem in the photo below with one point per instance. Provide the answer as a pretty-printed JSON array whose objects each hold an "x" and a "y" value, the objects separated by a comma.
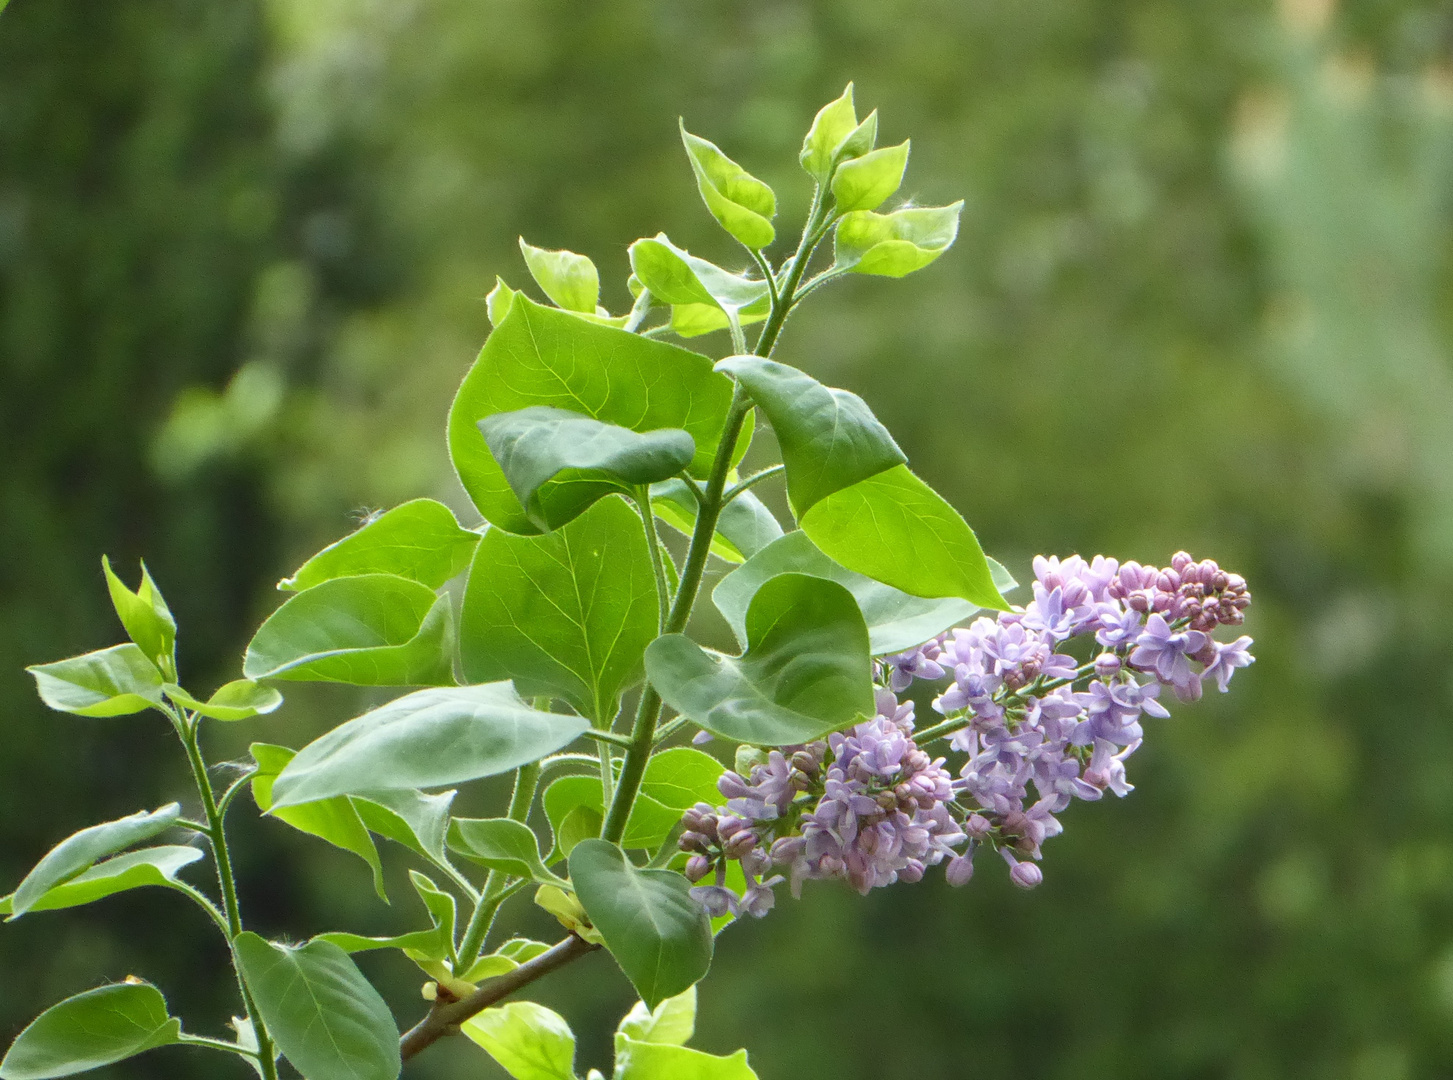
[
  {"x": 527, "y": 779},
  {"x": 751, "y": 482},
  {"x": 214, "y": 1044},
  {"x": 189, "y": 731},
  {"x": 642, "y": 499},
  {"x": 205, "y": 903}
]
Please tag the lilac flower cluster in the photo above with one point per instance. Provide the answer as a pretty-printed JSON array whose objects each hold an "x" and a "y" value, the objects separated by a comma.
[{"x": 871, "y": 807}]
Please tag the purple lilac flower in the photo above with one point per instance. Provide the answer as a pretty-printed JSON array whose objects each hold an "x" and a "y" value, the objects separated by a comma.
[
  {"x": 1168, "y": 653},
  {"x": 1229, "y": 657},
  {"x": 919, "y": 663}
]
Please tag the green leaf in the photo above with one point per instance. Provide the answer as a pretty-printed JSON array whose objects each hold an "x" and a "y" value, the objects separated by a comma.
[
  {"x": 568, "y": 614},
  {"x": 320, "y": 1010},
  {"x": 693, "y": 320},
  {"x": 443, "y": 911},
  {"x": 836, "y": 136},
  {"x": 570, "y": 280},
  {"x": 673, "y": 1021},
  {"x": 99, "y": 1027},
  {"x": 896, "y": 620},
  {"x": 648, "y": 826},
  {"x": 110, "y": 682},
  {"x": 830, "y": 439},
  {"x": 866, "y": 182},
  {"x": 419, "y": 540},
  {"x": 660, "y": 1061},
  {"x": 237, "y": 700},
  {"x": 658, "y": 934},
  {"x": 682, "y": 777},
  {"x": 896, "y": 244},
  {"x": 408, "y": 817},
  {"x": 679, "y": 278},
  {"x": 741, "y": 204},
  {"x": 581, "y": 459},
  {"x": 806, "y": 671},
  {"x": 436, "y": 943},
  {"x": 506, "y": 958},
  {"x": 896, "y": 529},
  {"x": 429, "y": 738},
  {"x": 540, "y": 356},
  {"x": 499, "y": 301},
  {"x": 135, "y": 869},
  {"x": 501, "y": 844},
  {"x": 80, "y": 850},
  {"x": 334, "y": 820},
  {"x": 529, "y": 1041},
  {"x": 744, "y": 527},
  {"x": 146, "y": 617},
  {"x": 369, "y": 630}
]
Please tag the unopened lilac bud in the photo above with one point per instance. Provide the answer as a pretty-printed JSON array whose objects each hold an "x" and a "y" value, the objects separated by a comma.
[
  {"x": 693, "y": 841},
  {"x": 732, "y": 786},
  {"x": 697, "y": 867},
  {"x": 912, "y": 872},
  {"x": 978, "y": 826},
  {"x": 728, "y": 827},
  {"x": 788, "y": 848},
  {"x": 1180, "y": 560},
  {"x": 1106, "y": 665},
  {"x": 959, "y": 870},
  {"x": 1026, "y": 875},
  {"x": 1138, "y": 601},
  {"x": 887, "y": 800},
  {"x": 805, "y": 761},
  {"x": 740, "y": 844}
]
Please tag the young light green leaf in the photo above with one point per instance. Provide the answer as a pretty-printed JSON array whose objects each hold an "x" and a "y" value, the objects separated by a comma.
[
  {"x": 570, "y": 280},
  {"x": 682, "y": 777},
  {"x": 443, "y": 911},
  {"x": 559, "y": 462},
  {"x": 498, "y": 302},
  {"x": 436, "y": 943},
  {"x": 566, "y": 908},
  {"x": 419, "y": 540},
  {"x": 80, "y": 850},
  {"x": 831, "y": 127},
  {"x": 429, "y": 738},
  {"x": 806, "y": 671},
  {"x": 568, "y": 614},
  {"x": 661, "y": 1061},
  {"x": 896, "y": 244},
  {"x": 334, "y": 820},
  {"x": 744, "y": 527},
  {"x": 529, "y": 1041},
  {"x": 408, "y": 817},
  {"x": 133, "y": 870},
  {"x": 658, "y": 934},
  {"x": 741, "y": 204},
  {"x": 110, "y": 682},
  {"x": 237, "y": 700},
  {"x": 541, "y": 356},
  {"x": 673, "y": 1021},
  {"x": 830, "y": 439},
  {"x": 896, "y": 620},
  {"x": 679, "y": 278},
  {"x": 896, "y": 529},
  {"x": 693, "y": 320},
  {"x": 647, "y": 827},
  {"x": 501, "y": 844},
  {"x": 320, "y": 1010},
  {"x": 146, "y": 617},
  {"x": 369, "y": 630},
  {"x": 865, "y": 183},
  {"x": 90, "y": 1030}
]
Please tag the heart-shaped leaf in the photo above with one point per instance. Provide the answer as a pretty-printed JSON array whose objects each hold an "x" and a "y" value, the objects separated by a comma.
[
  {"x": 658, "y": 934},
  {"x": 334, "y": 820},
  {"x": 836, "y": 136},
  {"x": 240, "y": 699},
  {"x": 896, "y": 529},
  {"x": 541, "y": 356},
  {"x": 320, "y": 1010},
  {"x": 896, "y": 620},
  {"x": 806, "y": 671},
  {"x": 369, "y": 630},
  {"x": 80, "y": 850},
  {"x": 648, "y": 826},
  {"x": 866, "y": 182},
  {"x": 672, "y": 1022},
  {"x": 133, "y": 870},
  {"x": 529, "y": 1041},
  {"x": 568, "y": 279},
  {"x": 585, "y": 458},
  {"x": 146, "y": 617},
  {"x": 682, "y": 777},
  {"x": 567, "y": 614},
  {"x": 111, "y": 682},
  {"x": 97, "y": 1028},
  {"x": 830, "y": 439},
  {"x": 896, "y": 244},
  {"x": 662, "y": 1061},
  {"x": 744, "y": 527},
  {"x": 742, "y": 204},
  {"x": 501, "y": 844},
  {"x": 419, "y": 540},
  {"x": 429, "y": 738}
]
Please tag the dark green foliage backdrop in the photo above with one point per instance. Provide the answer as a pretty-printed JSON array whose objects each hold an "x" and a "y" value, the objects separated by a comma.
[{"x": 1200, "y": 299}]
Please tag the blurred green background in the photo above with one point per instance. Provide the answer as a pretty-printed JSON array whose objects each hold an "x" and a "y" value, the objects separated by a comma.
[{"x": 1201, "y": 299}]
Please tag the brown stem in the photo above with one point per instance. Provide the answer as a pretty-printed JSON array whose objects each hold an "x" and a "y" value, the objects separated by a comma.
[{"x": 444, "y": 1019}]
